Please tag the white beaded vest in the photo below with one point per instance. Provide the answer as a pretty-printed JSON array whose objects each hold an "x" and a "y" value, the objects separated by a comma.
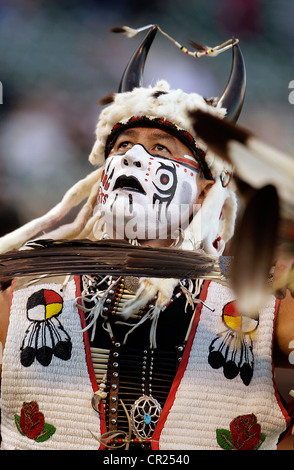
[{"x": 222, "y": 394}]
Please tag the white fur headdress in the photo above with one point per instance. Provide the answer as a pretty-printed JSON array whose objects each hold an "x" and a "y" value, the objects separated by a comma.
[{"x": 158, "y": 102}]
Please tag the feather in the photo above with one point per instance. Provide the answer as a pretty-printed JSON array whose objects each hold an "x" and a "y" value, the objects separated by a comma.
[
  {"x": 198, "y": 46},
  {"x": 129, "y": 32},
  {"x": 72, "y": 198},
  {"x": 106, "y": 99},
  {"x": 108, "y": 257},
  {"x": 255, "y": 162},
  {"x": 256, "y": 165},
  {"x": 118, "y": 29},
  {"x": 253, "y": 249}
]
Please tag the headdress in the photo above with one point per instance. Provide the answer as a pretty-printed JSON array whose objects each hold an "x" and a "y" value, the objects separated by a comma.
[{"x": 159, "y": 106}]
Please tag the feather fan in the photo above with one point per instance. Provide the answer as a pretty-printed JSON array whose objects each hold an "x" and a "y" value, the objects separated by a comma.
[{"x": 109, "y": 257}]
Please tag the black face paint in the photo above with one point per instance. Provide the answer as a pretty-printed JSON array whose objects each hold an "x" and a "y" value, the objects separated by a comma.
[
  {"x": 149, "y": 197},
  {"x": 167, "y": 184},
  {"x": 111, "y": 207},
  {"x": 131, "y": 203}
]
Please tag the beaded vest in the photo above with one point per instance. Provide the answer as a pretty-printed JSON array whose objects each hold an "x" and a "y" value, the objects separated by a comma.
[{"x": 212, "y": 390}]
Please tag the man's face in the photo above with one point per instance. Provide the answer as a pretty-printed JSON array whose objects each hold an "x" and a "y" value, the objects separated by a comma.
[{"x": 149, "y": 185}]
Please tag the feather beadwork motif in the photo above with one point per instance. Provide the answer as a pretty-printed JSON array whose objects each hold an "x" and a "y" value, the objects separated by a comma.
[
  {"x": 45, "y": 335},
  {"x": 232, "y": 349}
]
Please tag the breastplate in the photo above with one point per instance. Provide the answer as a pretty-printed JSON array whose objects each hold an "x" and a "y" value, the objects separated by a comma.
[{"x": 137, "y": 377}]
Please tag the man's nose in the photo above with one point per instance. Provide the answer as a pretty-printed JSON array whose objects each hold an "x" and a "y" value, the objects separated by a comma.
[{"x": 136, "y": 157}]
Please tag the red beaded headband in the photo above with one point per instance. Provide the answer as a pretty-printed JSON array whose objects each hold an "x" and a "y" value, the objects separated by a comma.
[{"x": 182, "y": 135}]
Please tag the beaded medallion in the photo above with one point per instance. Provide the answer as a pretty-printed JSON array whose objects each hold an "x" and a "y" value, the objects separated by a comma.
[{"x": 145, "y": 414}]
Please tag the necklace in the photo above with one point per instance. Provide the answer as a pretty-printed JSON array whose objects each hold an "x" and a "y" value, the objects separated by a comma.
[{"x": 146, "y": 410}]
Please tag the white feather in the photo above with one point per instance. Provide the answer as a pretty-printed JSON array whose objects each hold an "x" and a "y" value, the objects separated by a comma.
[{"x": 260, "y": 164}]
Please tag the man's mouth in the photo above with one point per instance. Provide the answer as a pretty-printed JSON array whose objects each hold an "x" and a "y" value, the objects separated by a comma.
[{"x": 130, "y": 183}]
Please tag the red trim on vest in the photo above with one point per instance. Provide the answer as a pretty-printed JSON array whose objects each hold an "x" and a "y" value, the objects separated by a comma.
[
  {"x": 103, "y": 428},
  {"x": 86, "y": 339},
  {"x": 283, "y": 409},
  {"x": 183, "y": 365}
]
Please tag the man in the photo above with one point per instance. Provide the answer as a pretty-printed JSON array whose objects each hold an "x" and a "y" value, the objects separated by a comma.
[{"x": 157, "y": 363}]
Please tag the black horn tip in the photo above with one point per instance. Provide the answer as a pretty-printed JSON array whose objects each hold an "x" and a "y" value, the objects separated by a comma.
[
  {"x": 133, "y": 74},
  {"x": 234, "y": 94}
]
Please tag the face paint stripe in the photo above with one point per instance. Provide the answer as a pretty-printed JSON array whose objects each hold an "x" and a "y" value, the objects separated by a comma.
[{"x": 186, "y": 161}]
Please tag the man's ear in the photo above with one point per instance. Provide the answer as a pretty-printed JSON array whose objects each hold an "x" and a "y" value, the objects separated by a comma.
[{"x": 204, "y": 186}]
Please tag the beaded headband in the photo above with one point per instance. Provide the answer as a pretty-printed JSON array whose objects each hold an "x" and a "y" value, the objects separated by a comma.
[{"x": 184, "y": 136}]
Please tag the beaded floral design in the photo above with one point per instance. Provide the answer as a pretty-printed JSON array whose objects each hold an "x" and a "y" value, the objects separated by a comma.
[
  {"x": 244, "y": 434},
  {"x": 31, "y": 423}
]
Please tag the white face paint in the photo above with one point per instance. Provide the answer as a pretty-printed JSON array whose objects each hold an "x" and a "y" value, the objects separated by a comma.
[{"x": 146, "y": 196}]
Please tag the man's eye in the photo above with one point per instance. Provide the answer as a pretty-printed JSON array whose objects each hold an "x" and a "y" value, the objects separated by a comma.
[
  {"x": 124, "y": 145},
  {"x": 161, "y": 148}
]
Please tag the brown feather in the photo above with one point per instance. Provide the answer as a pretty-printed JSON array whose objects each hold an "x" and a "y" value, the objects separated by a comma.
[
  {"x": 198, "y": 46},
  {"x": 253, "y": 249},
  {"x": 218, "y": 133},
  {"x": 106, "y": 257},
  {"x": 117, "y": 29},
  {"x": 245, "y": 190},
  {"x": 107, "y": 99}
]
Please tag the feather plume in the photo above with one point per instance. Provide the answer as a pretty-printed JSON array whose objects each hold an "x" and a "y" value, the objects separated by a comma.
[
  {"x": 253, "y": 250},
  {"x": 74, "y": 196},
  {"x": 255, "y": 162},
  {"x": 106, "y": 99},
  {"x": 198, "y": 46},
  {"x": 264, "y": 178},
  {"x": 129, "y": 32},
  {"x": 109, "y": 257}
]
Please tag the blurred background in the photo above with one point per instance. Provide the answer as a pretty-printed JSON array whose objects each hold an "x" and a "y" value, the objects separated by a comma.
[{"x": 58, "y": 59}]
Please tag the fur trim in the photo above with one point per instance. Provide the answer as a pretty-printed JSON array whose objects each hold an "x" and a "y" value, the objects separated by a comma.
[
  {"x": 206, "y": 225},
  {"x": 152, "y": 102},
  {"x": 229, "y": 216}
]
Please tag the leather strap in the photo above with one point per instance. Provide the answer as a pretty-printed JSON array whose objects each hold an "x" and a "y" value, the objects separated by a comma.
[{"x": 114, "y": 386}]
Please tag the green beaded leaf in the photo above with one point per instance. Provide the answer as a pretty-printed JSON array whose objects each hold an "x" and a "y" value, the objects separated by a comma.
[
  {"x": 17, "y": 422},
  {"x": 46, "y": 432},
  {"x": 262, "y": 438},
  {"x": 224, "y": 439}
]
